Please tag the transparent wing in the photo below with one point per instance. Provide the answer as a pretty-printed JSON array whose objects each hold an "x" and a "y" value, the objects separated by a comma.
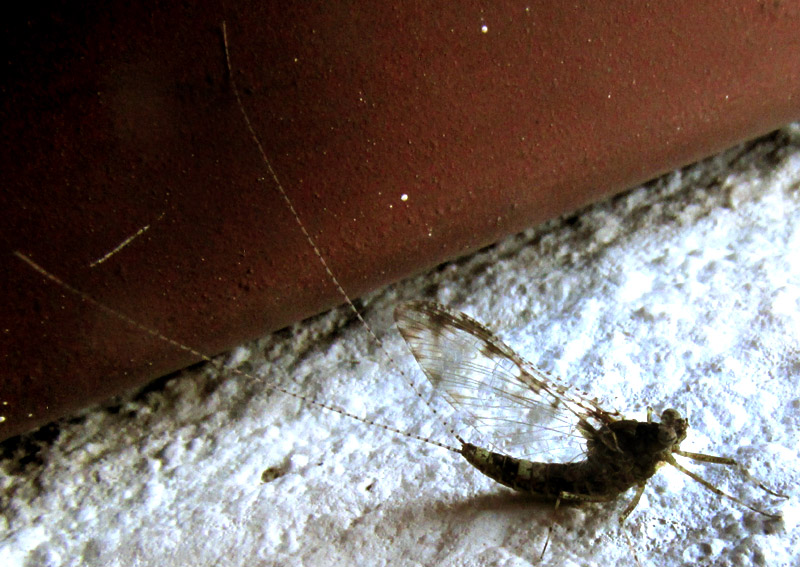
[{"x": 521, "y": 410}]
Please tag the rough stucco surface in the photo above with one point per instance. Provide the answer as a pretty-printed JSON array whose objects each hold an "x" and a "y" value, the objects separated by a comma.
[{"x": 684, "y": 293}]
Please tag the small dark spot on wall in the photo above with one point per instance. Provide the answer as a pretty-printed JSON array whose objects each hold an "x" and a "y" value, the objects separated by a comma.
[{"x": 273, "y": 473}]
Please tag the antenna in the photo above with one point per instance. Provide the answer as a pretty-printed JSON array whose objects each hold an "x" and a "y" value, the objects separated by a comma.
[{"x": 313, "y": 244}]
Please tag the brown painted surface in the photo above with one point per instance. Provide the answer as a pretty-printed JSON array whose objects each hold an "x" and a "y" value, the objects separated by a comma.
[{"x": 119, "y": 118}]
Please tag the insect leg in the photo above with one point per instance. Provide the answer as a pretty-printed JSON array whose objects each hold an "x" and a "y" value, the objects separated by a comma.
[
  {"x": 726, "y": 461},
  {"x": 550, "y": 528},
  {"x": 576, "y": 498},
  {"x": 633, "y": 503},
  {"x": 671, "y": 460},
  {"x": 633, "y": 549}
]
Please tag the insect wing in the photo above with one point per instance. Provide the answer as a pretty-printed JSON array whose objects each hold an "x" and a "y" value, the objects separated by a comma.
[{"x": 519, "y": 409}]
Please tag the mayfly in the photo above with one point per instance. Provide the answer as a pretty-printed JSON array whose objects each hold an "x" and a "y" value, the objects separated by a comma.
[
  {"x": 486, "y": 380},
  {"x": 582, "y": 452},
  {"x": 600, "y": 454}
]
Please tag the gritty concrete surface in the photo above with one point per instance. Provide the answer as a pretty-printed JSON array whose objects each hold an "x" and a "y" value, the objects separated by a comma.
[{"x": 683, "y": 293}]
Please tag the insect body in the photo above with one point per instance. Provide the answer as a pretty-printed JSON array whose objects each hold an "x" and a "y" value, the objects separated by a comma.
[
  {"x": 624, "y": 454},
  {"x": 601, "y": 454}
]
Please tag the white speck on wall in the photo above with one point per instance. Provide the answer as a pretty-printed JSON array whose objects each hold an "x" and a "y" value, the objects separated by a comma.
[
  {"x": 237, "y": 357},
  {"x": 153, "y": 496},
  {"x": 669, "y": 297},
  {"x": 786, "y": 302},
  {"x": 300, "y": 460},
  {"x": 791, "y": 515},
  {"x": 635, "y": 285}
]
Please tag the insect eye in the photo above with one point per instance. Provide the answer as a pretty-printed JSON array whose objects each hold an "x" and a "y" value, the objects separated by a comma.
[{"x": 667, "y": 435}]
